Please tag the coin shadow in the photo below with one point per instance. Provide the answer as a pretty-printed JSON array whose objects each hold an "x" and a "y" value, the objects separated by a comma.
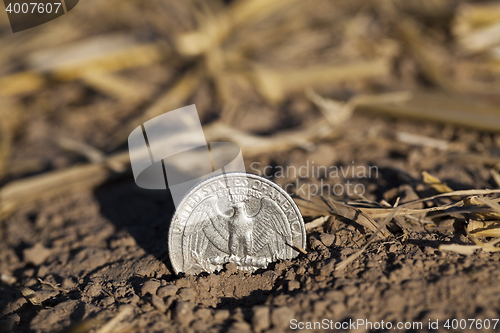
[
  {"x": 144, "y": 214},
  {"x": 256, "y": 297}
]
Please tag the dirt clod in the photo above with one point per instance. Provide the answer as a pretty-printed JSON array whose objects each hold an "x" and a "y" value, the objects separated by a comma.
[
  {"x": 158, "y": 303},
  {"x": 168, "y": 290},
  {"x": 327, "y": 239},
  {"x": 183, "y": 313},
  {"x": 293, "y": 285},
  {"x": 239, "y": 326},
  {"x": 36, "y": 254},
  {"x": 221, "y": 315},
  {"x": 280, "y": 317},
  {"x": 260, "y": 318},
  {"x": 186, "y": 294},
  {"x": 150, "y": 286}
]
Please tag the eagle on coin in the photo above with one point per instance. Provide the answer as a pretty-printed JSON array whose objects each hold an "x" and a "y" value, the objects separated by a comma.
[{"x": 250, "y": 237}]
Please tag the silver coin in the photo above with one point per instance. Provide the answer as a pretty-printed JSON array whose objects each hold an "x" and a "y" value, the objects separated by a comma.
[{"x": 234, "y": 217}]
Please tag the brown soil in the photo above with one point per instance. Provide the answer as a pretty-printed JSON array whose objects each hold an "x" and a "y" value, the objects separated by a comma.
[{"x": 88, "y": 254}]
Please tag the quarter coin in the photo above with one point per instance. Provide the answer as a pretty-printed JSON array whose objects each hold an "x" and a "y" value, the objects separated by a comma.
[{"x": 238, "y": 218}]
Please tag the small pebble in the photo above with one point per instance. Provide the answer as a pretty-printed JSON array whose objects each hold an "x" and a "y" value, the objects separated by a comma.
[
  {"x": 221, "y": 315},
  {"x": 231, "y": 268},
  {"x": 203, "y": 314},
  {"x": 168, "y": 290},
  {"x": 186, "y": 294},
  {"x": 260, "y": 319},
  {"x": 150, "y": 287},
  {"x": 158, "y": 303},
  {"x": 280, "y": 317},
  {"x": 320, "y": 306},
  {"x": 239, "y": 327},
  {"x": 293, "y": 285},
  {"x": 350, "y": 290},
  {"x": 106, "y": 301},
  {"x": 327, "y": 239},
  {"x": 183, "y": 313},
  {"x": 429, "y": 250},
  {"x": 37, "y": 254},
  {"x": 92, "y": 290}
]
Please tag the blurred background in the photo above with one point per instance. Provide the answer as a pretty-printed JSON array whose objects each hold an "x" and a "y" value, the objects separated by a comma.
[{"x": 270, "y": 76}]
